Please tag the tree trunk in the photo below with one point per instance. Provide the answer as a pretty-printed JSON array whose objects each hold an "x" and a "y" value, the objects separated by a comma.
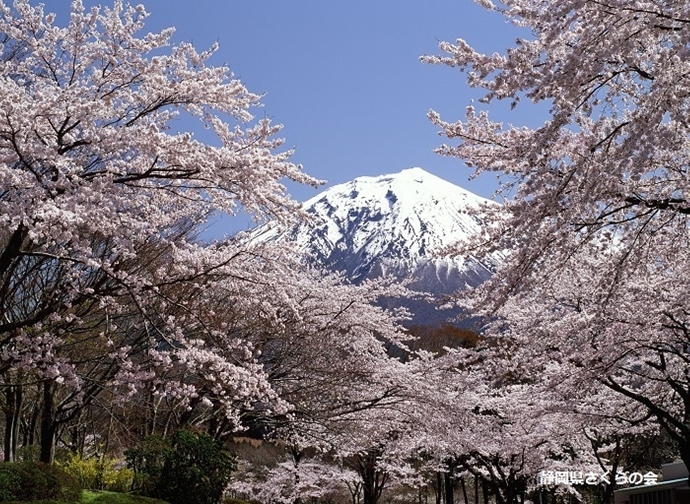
[
  {"x": 439, "y": 487},
  {"x": 150, "y": 414},
  {"x": 449, "y": 485},
  {"x": 464, "y": 490},
  {"x": 511, "y": 492},
  {"x": 12, "y": 410},
  {"x": 296, "y": 457},
  {"x": 48, "y": 425},
  {"x": 355, "y": 489},
  {"x": 373, "y": 479}
]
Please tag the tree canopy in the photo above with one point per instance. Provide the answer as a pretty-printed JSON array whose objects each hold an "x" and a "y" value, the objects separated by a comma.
[
  {"x": 597, "y": 196},
  {"x": 105, "y": 290}
]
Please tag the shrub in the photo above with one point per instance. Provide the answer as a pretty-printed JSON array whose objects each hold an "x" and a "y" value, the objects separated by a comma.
[
  {"x": 99, "y": 473},
  {"x": 10, "y": 483},
  {"x": 147, "y": 460},
  {"x": 29, "y": 453},
  {"x": 192, "y": 469},
  {"x": 120, "y": 480},
  {"x": 27, "y": 481}
]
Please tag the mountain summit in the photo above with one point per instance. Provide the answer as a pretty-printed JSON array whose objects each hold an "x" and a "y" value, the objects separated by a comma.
[{"x": 394, "y": 225}]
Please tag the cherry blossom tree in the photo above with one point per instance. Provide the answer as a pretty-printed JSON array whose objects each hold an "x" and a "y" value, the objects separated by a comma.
[
  {"x": 348, "y": 396},
  {"x": 485, "y": 417},
  {"x": 289, "y": 482},
  {"x": 598, "y": 200},
  {"x": 323, "y": 345},
  {"x": 105, "y": 289},
  {"x": 99, "y": 197}
]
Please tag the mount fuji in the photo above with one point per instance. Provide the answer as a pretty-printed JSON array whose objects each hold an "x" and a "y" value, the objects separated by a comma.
[{"x": 394, "y": 225}]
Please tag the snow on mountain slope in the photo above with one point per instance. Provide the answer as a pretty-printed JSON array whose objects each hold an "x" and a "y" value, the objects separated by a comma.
[{"x": 394, "y": 225}]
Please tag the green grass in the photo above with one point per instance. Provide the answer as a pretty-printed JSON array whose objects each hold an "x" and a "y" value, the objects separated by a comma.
[{"x": 89, "y": 497}]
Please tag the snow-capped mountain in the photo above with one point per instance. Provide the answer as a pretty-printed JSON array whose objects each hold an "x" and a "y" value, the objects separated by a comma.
[{"x": 394, "y": 225}]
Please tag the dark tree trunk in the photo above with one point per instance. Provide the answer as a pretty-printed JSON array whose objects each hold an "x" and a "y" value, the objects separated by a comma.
[
  {"x": 12, "y": 410},
  {"x": 150, "y": 416},
  {"x": 13, "y": 248},
  {"x": 439, "y": 487},
  {"x": 33, "y": 424},
  {"x": 485, "y": 491},
  {"x": 464, "y": 491},
  {"x": 48, "y": 424},
  {"x": 296, "y": 457},
  {"x": 355, "y": 489},
  {"x": 449, "y": 486},
  {"x": 373, "y": 479},
  {"x": 476, "y": 490},
  {"x": 608, "y": 489},
  {"x": 511, "y": 493}
]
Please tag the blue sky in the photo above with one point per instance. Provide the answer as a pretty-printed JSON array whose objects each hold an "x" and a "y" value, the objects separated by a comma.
[{"x": 344, "y": 78}]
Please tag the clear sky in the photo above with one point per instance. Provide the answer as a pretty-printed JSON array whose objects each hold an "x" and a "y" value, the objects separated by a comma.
[{"x": 344, "y": 78}]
